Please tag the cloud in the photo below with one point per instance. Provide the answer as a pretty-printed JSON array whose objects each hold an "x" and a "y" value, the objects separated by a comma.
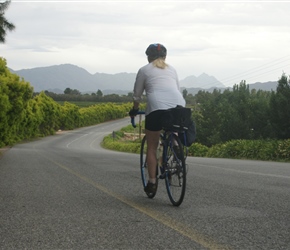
[{"x": 222, "y": 38}]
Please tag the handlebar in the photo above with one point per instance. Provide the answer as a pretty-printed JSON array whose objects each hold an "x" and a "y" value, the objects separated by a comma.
[{"x": 133, "y": 118}]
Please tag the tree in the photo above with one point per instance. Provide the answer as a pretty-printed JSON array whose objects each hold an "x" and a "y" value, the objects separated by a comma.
[
  {"x": 280, "y": 108},
  {"x": 184, "y": 93},
  {"x": 4, "y": 24},
  {"x": 75, "y": 92},
  {"x": 207, "y": 117},
  {"x": 67, "y": 91},
  {"x": 99, "y": 93}
]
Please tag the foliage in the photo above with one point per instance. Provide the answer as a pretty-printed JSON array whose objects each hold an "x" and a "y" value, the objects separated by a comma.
[
  {"x": 102, "y": 112},
  {"x": 283, "y": 150},
  {"x": 233, "y": 115},
  {"x": 25, "y": 116},
  {"x": 267, "y": 150},
  {"x": 124, "y": 146},
  {"x": 49, "y": 114},
  {"x": 69, "y": 91},
  {"x": 69, "y": 116},
  {"x": 99, "y": 93},
  {"x": 280, "y": 109},
  {"x": 118, "y": 143},
  {"x": 4, "y": 24},
  {"x": 15, "y": 95},
  {"x": 78, "y": 104},
  {"x": 98, "y": 97},
  {"x": 197, "y": 150}
]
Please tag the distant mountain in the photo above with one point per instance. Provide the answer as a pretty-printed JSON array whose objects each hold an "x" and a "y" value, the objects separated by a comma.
[
  {"x": 268, "y": 86},
  {"x": 59, "y": 77},
  {"x": 203, "y": 81}
]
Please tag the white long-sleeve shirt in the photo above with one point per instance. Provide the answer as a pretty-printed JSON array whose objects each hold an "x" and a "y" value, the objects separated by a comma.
[{"x": 161, "y": 87}]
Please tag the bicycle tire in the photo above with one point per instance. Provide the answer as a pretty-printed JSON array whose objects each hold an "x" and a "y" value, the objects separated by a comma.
[
  {"x": 144, "y": 168},
  {"x": 175, "y": 178}
]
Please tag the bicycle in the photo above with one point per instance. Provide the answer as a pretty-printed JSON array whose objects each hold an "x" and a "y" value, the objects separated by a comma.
[{"x": 171, "y": 162}]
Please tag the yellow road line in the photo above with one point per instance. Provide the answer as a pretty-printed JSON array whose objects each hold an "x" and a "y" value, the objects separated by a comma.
[{"x": 181, "y": 228}]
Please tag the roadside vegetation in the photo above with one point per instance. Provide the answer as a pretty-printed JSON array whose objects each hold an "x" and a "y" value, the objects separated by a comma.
[
  {"x": 25, "y": 115},
  {"x": 128, "y": 139},
  {"x": 236, "y": 123}
]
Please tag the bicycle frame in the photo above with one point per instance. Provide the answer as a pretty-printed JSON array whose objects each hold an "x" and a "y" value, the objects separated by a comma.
[
  {"x": 163, "y": 168},
  {"x": 172, "y": 168}
]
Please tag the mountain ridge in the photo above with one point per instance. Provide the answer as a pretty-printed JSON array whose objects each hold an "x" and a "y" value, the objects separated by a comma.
[{"x": 57, "y": 78}]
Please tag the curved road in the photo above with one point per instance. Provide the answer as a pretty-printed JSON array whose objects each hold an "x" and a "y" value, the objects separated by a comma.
[{"x": 66, "y": 192}]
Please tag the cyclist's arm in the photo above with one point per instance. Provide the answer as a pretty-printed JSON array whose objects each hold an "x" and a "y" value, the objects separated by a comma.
[{"x": 139, "y": 88}]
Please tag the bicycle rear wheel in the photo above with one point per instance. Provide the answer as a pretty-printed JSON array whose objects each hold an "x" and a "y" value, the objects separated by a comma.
[
  {"x": 144, "y": 168},
  {"x": 175, "y": 178}
]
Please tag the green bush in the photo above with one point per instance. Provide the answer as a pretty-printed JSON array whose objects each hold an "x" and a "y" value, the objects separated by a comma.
[
  {"x": 69, "y": 116},
  {"x": 266, "y": 150},
  {"x": 198, "y": 150},
  {"x": 23, "y": 116},
  {"x": 283, "y": 150},
  {"x": 123, "y": 146}
]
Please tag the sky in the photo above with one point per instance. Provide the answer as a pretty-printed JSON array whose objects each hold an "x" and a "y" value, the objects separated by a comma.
[{"x": 230, "y": 40}]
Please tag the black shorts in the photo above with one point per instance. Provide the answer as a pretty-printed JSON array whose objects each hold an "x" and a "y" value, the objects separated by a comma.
[{"x": 154, "y": 120}]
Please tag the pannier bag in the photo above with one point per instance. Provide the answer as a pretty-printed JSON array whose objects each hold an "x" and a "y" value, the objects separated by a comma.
[
  {"x": 188, "y": 136},
  {"x": 179, "y": 119}
]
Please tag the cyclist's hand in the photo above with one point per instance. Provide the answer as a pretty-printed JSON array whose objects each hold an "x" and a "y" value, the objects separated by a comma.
[{"x": 133, "y": 112}]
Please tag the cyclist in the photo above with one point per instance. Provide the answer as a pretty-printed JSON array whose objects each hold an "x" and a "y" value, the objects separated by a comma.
[{"x": 160, "y": 82}]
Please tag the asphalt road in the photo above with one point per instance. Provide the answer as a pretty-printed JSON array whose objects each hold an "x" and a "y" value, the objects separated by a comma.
[{"x": 66, "y": 192}]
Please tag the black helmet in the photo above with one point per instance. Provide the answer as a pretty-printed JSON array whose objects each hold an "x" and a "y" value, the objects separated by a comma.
[{"x": 155, "y": 51}]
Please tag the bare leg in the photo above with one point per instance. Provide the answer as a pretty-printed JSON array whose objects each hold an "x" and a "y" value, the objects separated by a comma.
[{"x": 152, "y": 145}]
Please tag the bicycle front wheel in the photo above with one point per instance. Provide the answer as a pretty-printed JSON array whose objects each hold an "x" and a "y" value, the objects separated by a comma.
[
  {"x": 175, "y": 178},
  {"x": 144, "y": 167}
]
